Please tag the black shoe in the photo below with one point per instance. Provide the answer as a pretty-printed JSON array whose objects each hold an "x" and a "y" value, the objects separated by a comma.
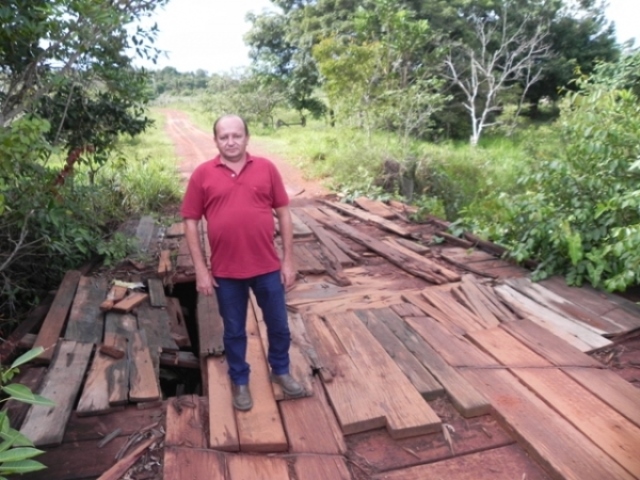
[
  {"x": 241, "y": 397},
  {"x": 289, "y": 385}
]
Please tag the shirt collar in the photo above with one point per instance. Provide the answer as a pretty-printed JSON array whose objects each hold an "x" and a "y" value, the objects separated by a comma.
[{"x": 217, "y": 162}]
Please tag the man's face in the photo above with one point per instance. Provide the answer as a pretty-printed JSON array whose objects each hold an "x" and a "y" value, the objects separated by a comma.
[{"x": 231, "y": 139}]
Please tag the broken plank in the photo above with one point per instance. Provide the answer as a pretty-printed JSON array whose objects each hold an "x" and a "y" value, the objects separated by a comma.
[
  {"x": 369, "y": 217},
  {"x": 300, "y": 228},
  {"x": 45, "y": 425},
  {"x": 143, "y": 380},
  {"x": 120, "y": 468},
  {"x": 417, "y": 374},
  {"x": 164, "y": 263},
  {"x": 185, "y": 422},
  {"x": 475, "y": 301},
  {"x": 421, "y": 259},
  {"x": 452, "y": 310},
  {"x": 95, "y": 393},
  {"x": 86, "y": 320},
  {"x": 177, "y": 324},
  {"x": 155, "y": 322},
  {"x": 54, "y": 322}
]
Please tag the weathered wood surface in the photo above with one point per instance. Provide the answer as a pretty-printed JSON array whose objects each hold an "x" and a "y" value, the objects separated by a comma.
[
  {"x": 54, "y": 322},
  {"x": 257, "y": 467},
  {"x": 606, "y": 428},
  {"x": 578, "y": 335},
  {"x": 185, "y": 420},
  {"x": 210, "y": 326},
  {"x": 321, "y": 468},
  {"x": 193, "y": 464},
  {"x": 157, "y": 297},
  {"x": 130, "y": 302},
  {"x": 86, "y": 320},
  {"x": 387, "y": 397},
  {"x": 118, "y": 333},
  {"x": 46, "y": 425},
  {"x": 370, "y": 217},
  {"x": 144, "y": 233},
  {"x": 223, "y": 429},
  {"x": 417, "y": 374},
  {"x": 375, "y": 207},
  {"x": 143, "y": 380},
  {"x": 177, "y": 323}
]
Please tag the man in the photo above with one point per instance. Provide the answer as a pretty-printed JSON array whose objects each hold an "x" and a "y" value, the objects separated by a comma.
[{"x": 236, "y": 192}]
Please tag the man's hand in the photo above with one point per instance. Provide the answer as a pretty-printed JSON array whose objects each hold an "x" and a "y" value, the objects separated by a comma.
[
  {"x": 288, "y": 275},
  {"x": 205, "y": 282}
]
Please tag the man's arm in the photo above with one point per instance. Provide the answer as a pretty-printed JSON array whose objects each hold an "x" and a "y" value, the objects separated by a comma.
[
  {"x": 288, "y": 272},
  {"x": 204, "y": 280}
]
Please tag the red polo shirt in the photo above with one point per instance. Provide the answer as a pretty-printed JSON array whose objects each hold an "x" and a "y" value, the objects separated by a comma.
[{"x": 238, "y": 209}]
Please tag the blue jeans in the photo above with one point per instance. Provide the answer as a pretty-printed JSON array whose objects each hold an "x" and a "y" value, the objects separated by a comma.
[{"x": 233, "y": 297}]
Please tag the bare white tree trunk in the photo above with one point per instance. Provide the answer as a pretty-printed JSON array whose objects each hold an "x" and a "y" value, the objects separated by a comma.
[{"x": 504, "y": 55}]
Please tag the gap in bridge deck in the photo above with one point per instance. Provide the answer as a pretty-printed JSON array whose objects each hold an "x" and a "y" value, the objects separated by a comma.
[{"x": 175, "y": 380}]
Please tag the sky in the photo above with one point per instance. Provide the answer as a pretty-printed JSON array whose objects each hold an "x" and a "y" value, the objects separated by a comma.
[{"x": 208, "y": 34}]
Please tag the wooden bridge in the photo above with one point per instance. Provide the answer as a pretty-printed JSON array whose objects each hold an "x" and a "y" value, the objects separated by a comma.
[{"x": 422, "y": 355}]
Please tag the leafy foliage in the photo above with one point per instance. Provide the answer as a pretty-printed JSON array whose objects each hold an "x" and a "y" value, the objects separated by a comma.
[
  {"x": 16, "y": 450},
  {"x": 579, "y": 207}
]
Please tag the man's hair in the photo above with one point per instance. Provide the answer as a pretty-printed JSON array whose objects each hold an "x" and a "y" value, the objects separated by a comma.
[{"x": 215, "y": 124}]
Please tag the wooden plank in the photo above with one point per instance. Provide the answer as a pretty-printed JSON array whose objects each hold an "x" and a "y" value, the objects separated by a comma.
[
  {"x": 563, "y": 307},
  {"x": 450, "y": 275},
  {"x": 452, "y": 310},
  {"x": 319, "y": 214},
  {"x": 53, "y": 323},
  {"x": 95, "y": 393},
  {"x": 417, "y": 374},
  {"x": 177, "y": 324},
  {"x": 86, "y": 320},
  {"x": 490, "y": 299},
  {"x": 185, "y": 422},
  {"x": 118, "y": 333},
  {"x": 306, "y": 260},
  {"x": 143, "y": 381},
  {"x": 257, "y": 467},
  {"x": 370, "y": 217},
  {"x": 469, "y": 255},
  {"x": 130, "y": 302},
  {"x": 575, "y": 333},
  {"x": 311, "y": 425},
  {"x": 193, "y": 464},
  {"x": 458, "y": 352},
  {"x": 388, "y": 392},
  {"x": 46, "y": 425},
  {"x": 393, "y": 255},
  {"x": 563, "y": 452},
  {"x": 466, "y": 399},
  {"x": 321, "y": 468},
  {"x": 325, "y": 345},
  {"x": 260, "y": 429},
  {"x": 451, "y": 322},
  {"x": 606, "y": 428},
  {"x": 411, "y": 245},
  {"x": 223, "y": 430},
  {"x": 300, "y": 228},
  {"x": 30, "y": 377},
  {"x": 155, "y": 322},
  {"x": 406, "y": 310},
  {"x": 505, "y": 463},
  {"x": 605, "y": 384},
  {"x": 375, "y": 207},
  {"x": 210, "y": 326},
  {"x": 474, "y": 302},
  {"x": 157, "y": 297},
  {"x": 116, "y": 293}
]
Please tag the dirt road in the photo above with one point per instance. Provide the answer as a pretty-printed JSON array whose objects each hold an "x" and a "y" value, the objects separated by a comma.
[{"x": 194, "y": 146}]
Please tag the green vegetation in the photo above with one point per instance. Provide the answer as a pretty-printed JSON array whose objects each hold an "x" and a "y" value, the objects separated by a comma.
[{"x": 16, "y": 450}]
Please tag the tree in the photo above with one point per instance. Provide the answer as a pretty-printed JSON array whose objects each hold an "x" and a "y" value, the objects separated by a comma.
[{"x": 501, "y": 57}]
